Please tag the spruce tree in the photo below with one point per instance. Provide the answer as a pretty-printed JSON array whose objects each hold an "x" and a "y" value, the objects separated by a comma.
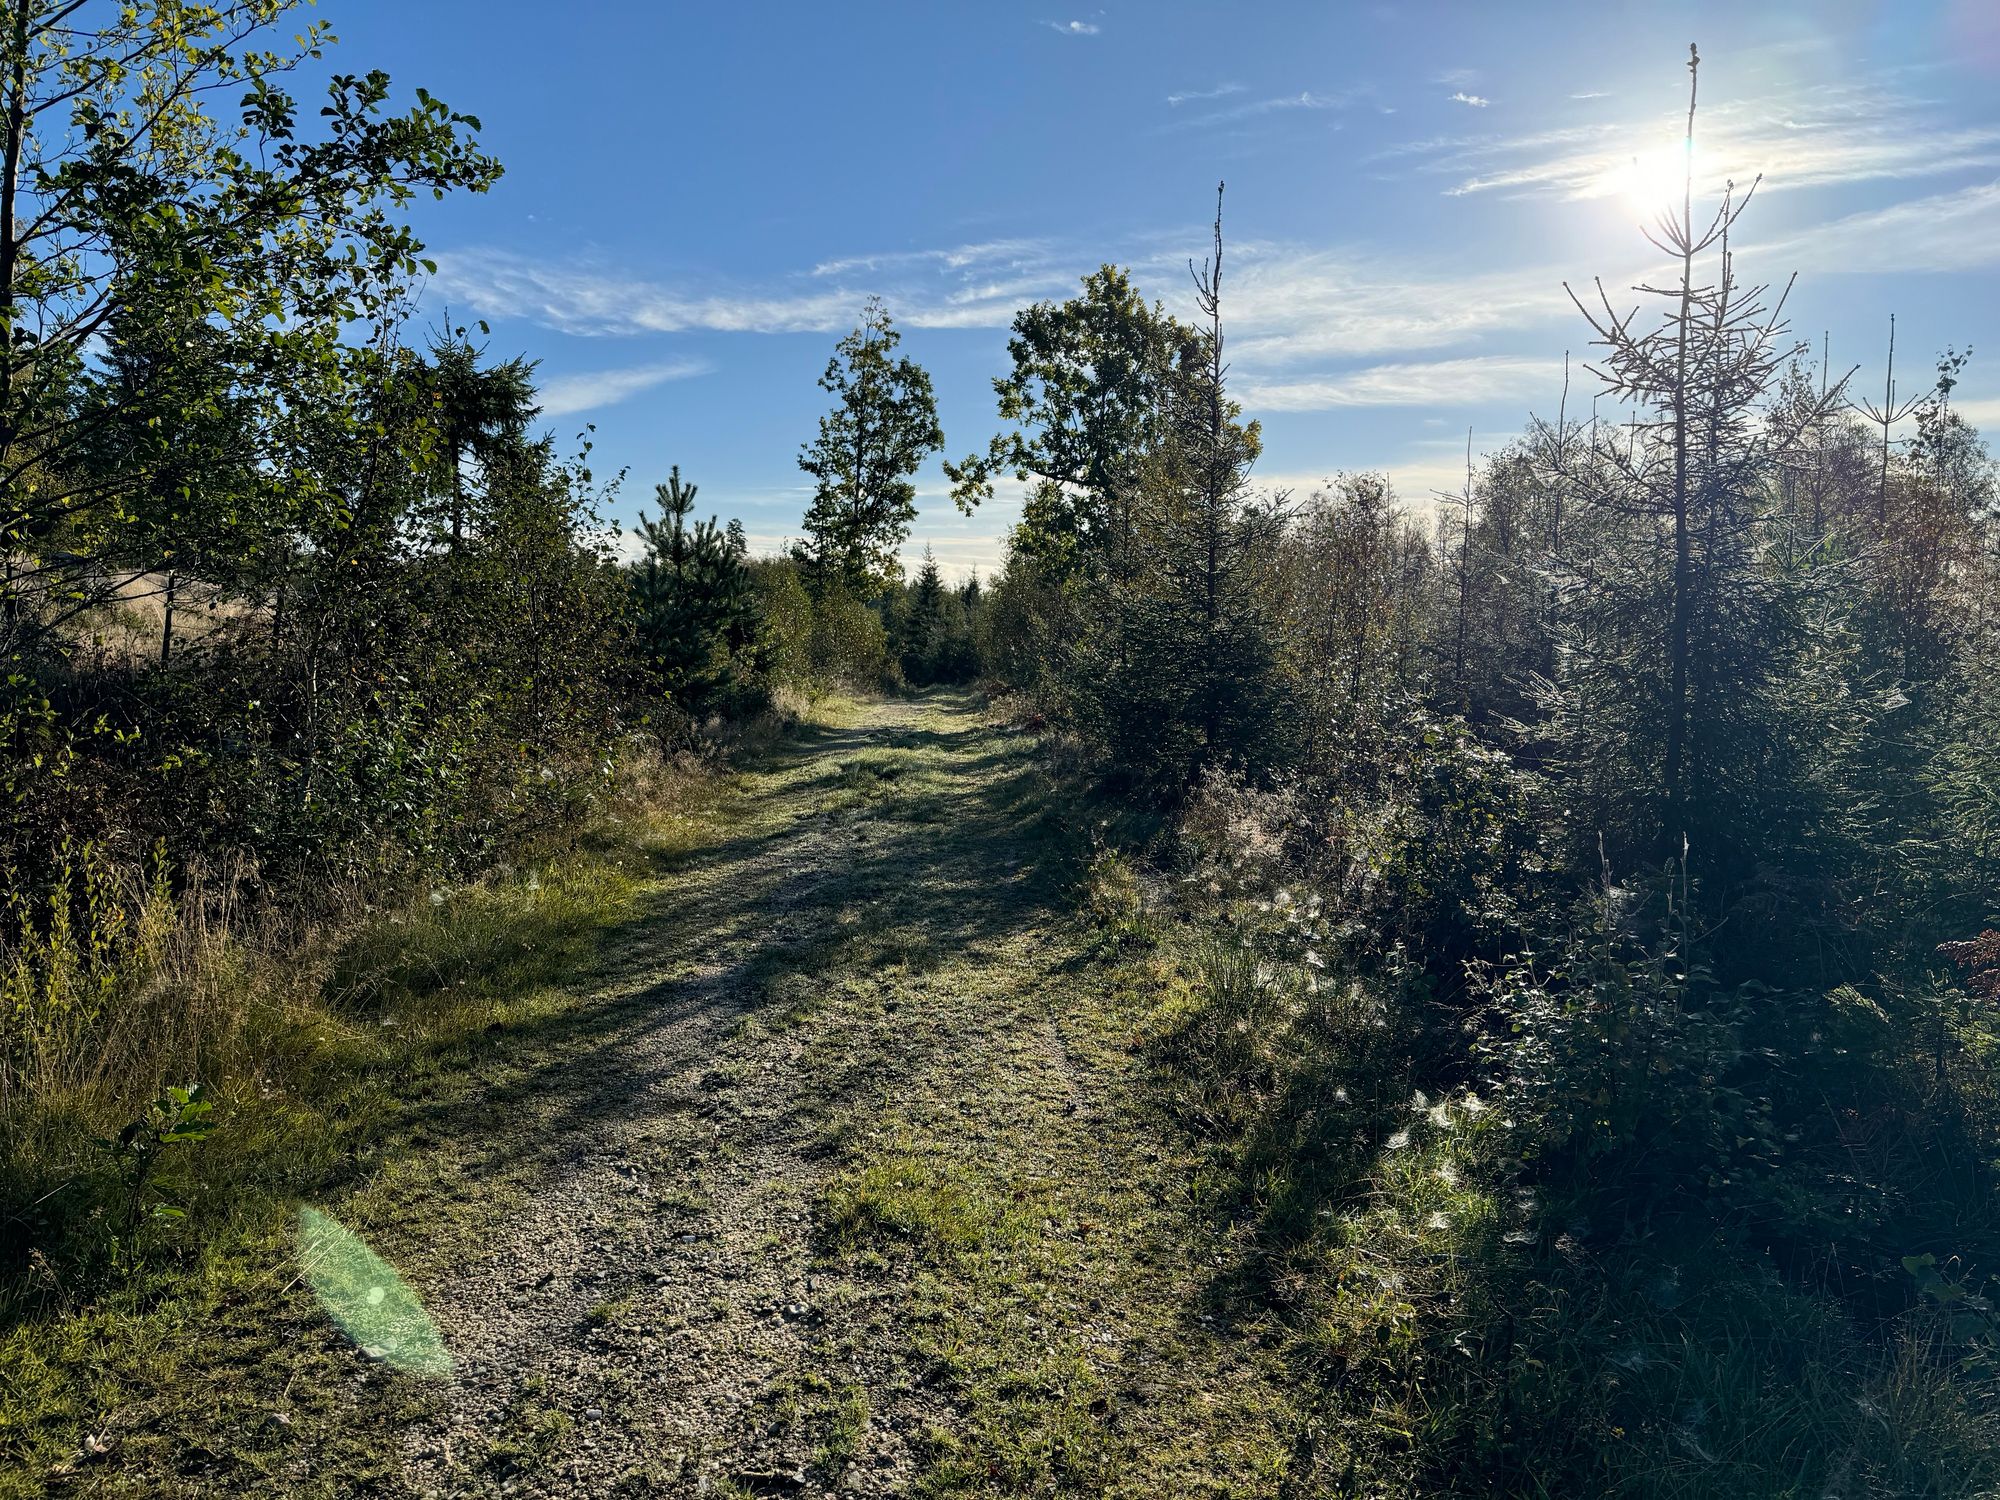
[
  {"x": 924, "y": 624},
  {"x": 694, "y": 600},
  {"x": 1678, "y": 630},
  {"x": 482, "y": 412},
  {"x": 1176, "y": 669}
]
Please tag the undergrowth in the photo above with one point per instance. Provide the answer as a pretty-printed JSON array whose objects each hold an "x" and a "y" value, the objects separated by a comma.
[
  {"x": 325, "y": 1045},
  {"x": 1490, "y": 1299}
]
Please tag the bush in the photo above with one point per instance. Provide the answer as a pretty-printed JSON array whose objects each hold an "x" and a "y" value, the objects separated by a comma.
[{"x": 848, "y": 644}]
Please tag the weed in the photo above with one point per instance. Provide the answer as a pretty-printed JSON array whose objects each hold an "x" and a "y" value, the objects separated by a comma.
[
  {"x": 179, "y": 1116},
  {"x": 1113, "y": 900}
]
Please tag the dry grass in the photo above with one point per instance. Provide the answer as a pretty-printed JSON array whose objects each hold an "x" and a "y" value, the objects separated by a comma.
[{"x": 125, "y": 628}]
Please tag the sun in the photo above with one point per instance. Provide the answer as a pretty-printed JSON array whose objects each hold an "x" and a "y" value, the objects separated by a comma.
[{"x": 1656, "y": 181}]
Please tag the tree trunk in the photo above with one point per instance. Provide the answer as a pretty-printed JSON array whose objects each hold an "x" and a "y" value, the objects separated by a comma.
[
  {"x": 167, "y": 621},
  {"x": 1679, "y": 629},
  {"x": 10, "y": 252}
]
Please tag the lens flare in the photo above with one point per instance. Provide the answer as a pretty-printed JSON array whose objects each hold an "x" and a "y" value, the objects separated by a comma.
[{"x": 363, "y": 1295}]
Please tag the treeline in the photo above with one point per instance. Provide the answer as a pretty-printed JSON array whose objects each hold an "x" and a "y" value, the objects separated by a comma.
[
  {"x": 1583, "y": 900},
  {"x": 301, "y": 606}
]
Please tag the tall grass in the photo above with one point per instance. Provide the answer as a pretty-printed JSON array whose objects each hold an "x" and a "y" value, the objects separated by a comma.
[
  {"x": 113, "y": 979},
  {"x": 290, "y": 1008}
]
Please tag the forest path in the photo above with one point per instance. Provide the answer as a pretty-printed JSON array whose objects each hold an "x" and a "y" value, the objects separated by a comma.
[{"x": 844, "y": 1189}]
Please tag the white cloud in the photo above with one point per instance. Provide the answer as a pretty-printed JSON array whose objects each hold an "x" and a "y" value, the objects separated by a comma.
[
  {"x": 1287, "y": 304},
  {"x": 1446, "y": 382},
  {"x": 591, "y": 302},
  {"x": 1461, "y": 97},
  {"x": 1073, "y": 28},
  {"x": 1983, "y": 414},
  {"x": 587, "y": 303},
  {"x": 564, "y": 395},
  {"x": 1957, "y": 231},
  {"x": 957, "y": 257},
  {"x": 1826, "y": 134},
  {"x": 1220, "y": 91},
  {"x": 1417, "y": 477},
  {"x": 958, "y": 557}
]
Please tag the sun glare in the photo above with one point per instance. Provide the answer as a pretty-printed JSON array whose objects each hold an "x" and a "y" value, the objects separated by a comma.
[{"x": 1654, "y": 182}]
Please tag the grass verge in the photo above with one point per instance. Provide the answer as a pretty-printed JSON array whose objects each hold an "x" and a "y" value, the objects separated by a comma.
[{"x": 178, "y": 1350}]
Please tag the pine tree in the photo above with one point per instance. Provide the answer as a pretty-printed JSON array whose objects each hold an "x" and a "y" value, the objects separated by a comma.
[
  {"x": 1176, "y": 671},
  {"x": 694, "y": 600},
  {"x": 924, "y": 625}
]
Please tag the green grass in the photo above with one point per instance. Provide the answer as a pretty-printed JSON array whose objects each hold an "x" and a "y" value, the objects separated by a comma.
[
  {"x": 189, "y": 1358},
  {"x": 1006, "y": 1208}
]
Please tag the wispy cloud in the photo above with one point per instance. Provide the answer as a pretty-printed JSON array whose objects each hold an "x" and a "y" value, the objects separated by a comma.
[
  {"x": 565, "y": 395},
  {"x": 586, "y": 302},
  {"x": 1592, "y": 94},
  {"x": 1984, "y": 414},
  {"x": 1945, "y": 232},
  {"x": 1305, "y": 99},
  {"x": 1824, "y": 134},
  {"x": 1288, "y": 304},
  {"x": 956, "y": 257},
  {"x": 1461, "y": 97},
  {"x": 1073, "y": 28},
  {"x": 1418, "y": 476},
  {"x": 1446, "y": 382},
  {"x": 1220, "y": 91},
  {"x": 925, "y": 289}
]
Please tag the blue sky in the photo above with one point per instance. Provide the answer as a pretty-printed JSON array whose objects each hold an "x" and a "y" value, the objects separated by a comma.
[{"x": 698, "y": 200}]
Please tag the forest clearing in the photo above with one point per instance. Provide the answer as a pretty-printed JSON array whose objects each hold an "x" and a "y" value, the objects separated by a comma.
[{"x": 1390, "y": 888}]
